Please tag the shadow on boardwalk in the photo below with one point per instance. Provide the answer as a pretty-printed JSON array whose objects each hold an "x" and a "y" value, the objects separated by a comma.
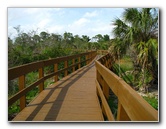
[{"x": 64, "y": 85}]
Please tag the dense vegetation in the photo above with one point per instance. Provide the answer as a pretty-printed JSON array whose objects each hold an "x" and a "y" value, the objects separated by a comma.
[
  {"x": 136, "y": 36},
  {"x": 135, "y": 50},
  {"x": 29, "y": 47}
]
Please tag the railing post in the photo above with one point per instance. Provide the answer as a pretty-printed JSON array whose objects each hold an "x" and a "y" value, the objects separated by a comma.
[
  {"x": 93, "y": 55},
  {"x": 79, "y": 60},
  {"x": 121, "y": 114},
  {"x": 21, "y": 87},
  {"x": 86, "y": 57},
  {"x": 73, "y": 62},
  {"x": 55, "y": 70},
  {"x": 66, "y": 65},
  {"x": 41, "y": 75},
  {"x": 89, "y": 55}
]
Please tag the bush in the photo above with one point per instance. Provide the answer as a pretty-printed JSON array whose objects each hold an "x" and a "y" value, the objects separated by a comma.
[{"x": 152, "y": 101}]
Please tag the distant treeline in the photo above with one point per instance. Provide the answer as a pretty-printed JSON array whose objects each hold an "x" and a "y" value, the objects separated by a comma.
[{"x": 30, "y": 47}]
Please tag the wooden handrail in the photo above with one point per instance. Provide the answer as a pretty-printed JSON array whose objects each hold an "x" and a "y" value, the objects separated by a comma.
[
  {"x": 131, "y": 106},
  {"x": 21, "y": 71},
  {"x": 102, "y": 52},
  {"x": 27, "y": 68}
]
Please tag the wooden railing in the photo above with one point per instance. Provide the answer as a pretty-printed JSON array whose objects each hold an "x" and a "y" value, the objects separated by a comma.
[
  {"x": 102, "y": 52},
  {"x": 131, "y": 106},
  {"x": 20, "y": 72}
]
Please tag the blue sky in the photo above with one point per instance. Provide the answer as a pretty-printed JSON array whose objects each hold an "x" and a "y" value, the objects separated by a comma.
[{"x": 81, "y": 21}]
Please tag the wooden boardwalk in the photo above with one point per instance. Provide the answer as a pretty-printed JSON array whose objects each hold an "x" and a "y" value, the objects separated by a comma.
[
  {"x": 80, "y": 96},
  {"x": 73, "y": 98}
]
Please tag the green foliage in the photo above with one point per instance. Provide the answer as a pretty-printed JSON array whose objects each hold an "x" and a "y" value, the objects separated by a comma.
[
  {"x": 136, "y": 34},
  {"x": 31, "y": 77},
  {"x": 12, "y": 87},
  {"x": 31, "y": 94},
  {"x": 113, "y": 104},
  {"x": 124, "y": 68},
  {"x": 126, "y": 64},
  {"x": 14, "y": 108},
  {"x": 30, "y": 47},
  {"x": 152, "y": 101}
]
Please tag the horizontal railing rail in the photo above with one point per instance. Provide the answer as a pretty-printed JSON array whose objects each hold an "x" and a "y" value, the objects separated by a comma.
[
  {"x": 102, "y": 52},
  {"x": 131, "y": 106},
  {"x": 20, "y": 72}
]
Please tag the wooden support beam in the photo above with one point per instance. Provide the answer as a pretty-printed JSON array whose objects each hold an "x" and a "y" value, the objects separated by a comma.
[
  {"x": 21, "y": 87},
  {"x": 122, "y": 115},
  {"x": 66, "y": 65},
  {"x": 55, "y": 70},
  {"x": 41, "y": 75},
  {"x": 86, "y": 57},
  {"x": 90, "y": 56},
  {"x": 73, "y": 62},
  {"x": 79, "y": 60}
]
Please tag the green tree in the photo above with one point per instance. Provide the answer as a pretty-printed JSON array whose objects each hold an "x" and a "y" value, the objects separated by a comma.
[
  {"x": 85, "y": 38},
  {"x": 106, "y": 37},
  {"x": 99, "y": 38},
  {"x": 137, "y": 30},
  {"x": 68, "y": 39}
]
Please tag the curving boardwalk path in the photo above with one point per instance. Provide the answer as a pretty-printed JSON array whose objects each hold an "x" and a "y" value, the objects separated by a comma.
[{"x": 73, "y": 98}]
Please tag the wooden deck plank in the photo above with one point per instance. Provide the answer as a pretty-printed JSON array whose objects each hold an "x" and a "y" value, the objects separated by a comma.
[{"x": 73, "y": 98}]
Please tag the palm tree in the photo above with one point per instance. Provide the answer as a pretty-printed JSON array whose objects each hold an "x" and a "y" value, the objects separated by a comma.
[
  {"x": 137, "y": 29},
  {"x": 148, "y": 58}
]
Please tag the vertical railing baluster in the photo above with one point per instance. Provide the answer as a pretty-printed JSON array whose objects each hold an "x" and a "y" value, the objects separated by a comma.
[
  {"x": 21, "y": 87},
  {"x": 89, "y": 58},
  {"x": 41, "y": 75},
  {"x": 55, "y": 70},
  {"x": 121, "y": 114},
  {"x": 79, "y": 60},
  {"x": 66, "y": 65},
  {"x": 73, "y": 62},
  {"x": 86, "y": 57}
]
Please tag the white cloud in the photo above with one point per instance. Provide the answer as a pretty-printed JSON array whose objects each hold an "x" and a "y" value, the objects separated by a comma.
[
  {"x": 59, "y": 20},
  {"x": 56, "y": 29},
  {"x": 91, "y": 14},
  {"x": 43, "y": 23},
  {"x": 81, "y": 21}
]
